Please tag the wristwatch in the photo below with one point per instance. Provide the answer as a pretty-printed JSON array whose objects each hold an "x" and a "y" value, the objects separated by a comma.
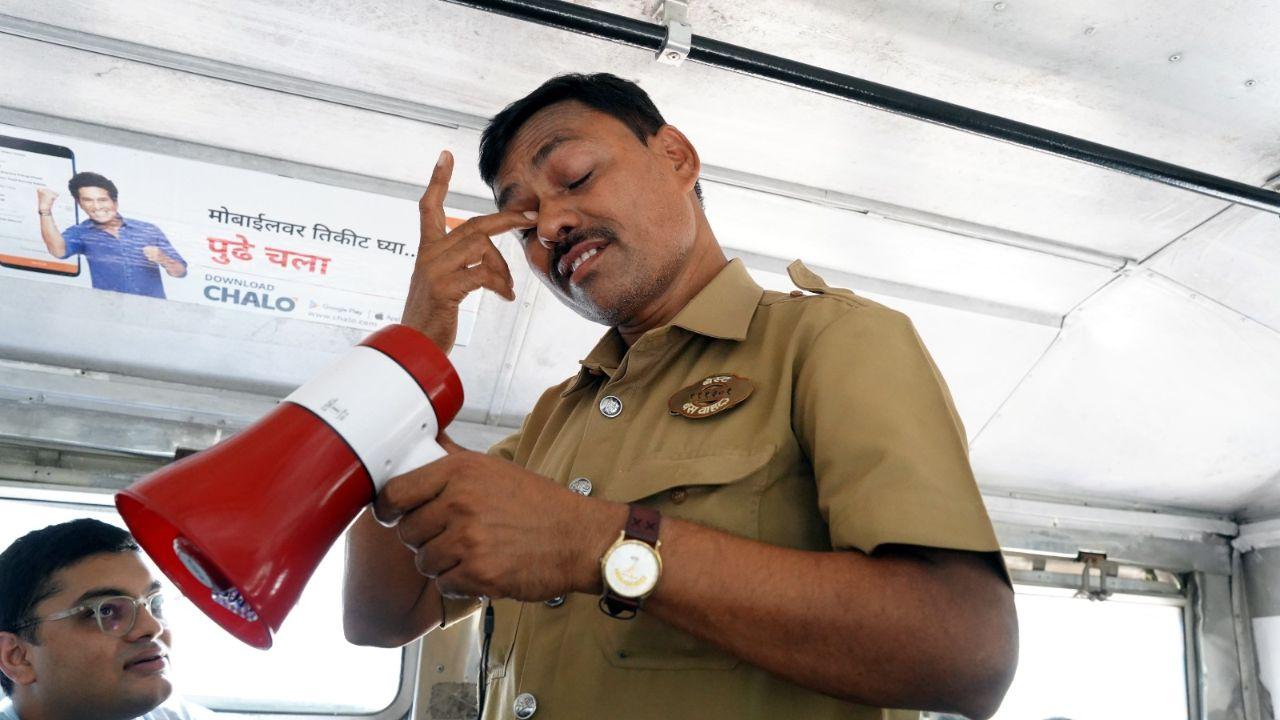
[{"x": 631, "y": 566}]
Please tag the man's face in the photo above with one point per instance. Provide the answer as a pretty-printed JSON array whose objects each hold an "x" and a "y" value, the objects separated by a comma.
[
  {"x": 616, "y": 214},
  {"x": 97, "y": 204},
  {"x": 86, "y": 673}
]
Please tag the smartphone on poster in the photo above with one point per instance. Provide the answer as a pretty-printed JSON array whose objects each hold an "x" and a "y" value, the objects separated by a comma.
[{"x": 26, "y": 166}]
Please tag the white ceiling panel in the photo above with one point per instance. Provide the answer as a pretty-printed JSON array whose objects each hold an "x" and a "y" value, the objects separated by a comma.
[
  {"x": 1151, "y": 394},
  {"x": 463, "y": 59},
  {"x": 1168, "y": 80},
  {"x": 142, "y": 98},
  {"x": 873, "y": 246},
  {"x": 1235, "y": 259}
]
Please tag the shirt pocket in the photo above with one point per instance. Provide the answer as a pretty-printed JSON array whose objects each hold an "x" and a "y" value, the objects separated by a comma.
[{"x": 720, "y": 491}]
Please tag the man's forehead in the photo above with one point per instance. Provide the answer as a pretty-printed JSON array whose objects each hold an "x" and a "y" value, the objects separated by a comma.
[
  {"x": 122, "y": 570},
  {"x": 507, "y": 182},
  {"x": 552, "y": 127}
]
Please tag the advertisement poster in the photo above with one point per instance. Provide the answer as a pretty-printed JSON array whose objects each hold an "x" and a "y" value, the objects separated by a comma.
[{"x": 195, "y": 232}]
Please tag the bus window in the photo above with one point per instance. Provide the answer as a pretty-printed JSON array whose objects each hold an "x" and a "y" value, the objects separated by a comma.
[
  {"x": 1119, "y": 659},
  {"x": 310, "y": 670}
]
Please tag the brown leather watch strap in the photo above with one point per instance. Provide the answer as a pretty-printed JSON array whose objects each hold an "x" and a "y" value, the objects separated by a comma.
[{"x": 642, "y": 524}]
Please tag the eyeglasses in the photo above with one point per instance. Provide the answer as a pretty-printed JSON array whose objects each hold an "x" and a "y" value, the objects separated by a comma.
[{"x": 116, "y": 615}]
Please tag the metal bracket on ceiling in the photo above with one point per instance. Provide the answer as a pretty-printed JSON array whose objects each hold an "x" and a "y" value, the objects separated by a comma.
[
  {"x": 1094, "y": 561},
  {"x": 679, "y": 41}
]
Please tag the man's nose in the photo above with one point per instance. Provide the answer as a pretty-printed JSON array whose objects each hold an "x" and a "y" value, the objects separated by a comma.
[
  {"x": 556, "y": 222},
  {"x": 146, "y": 625}
]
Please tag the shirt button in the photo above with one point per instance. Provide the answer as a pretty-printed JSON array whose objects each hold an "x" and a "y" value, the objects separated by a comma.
[
  {"x": 525, "y": 706},
  {"x": 581, "y": 485},
  {"x": 610, "y": 406},
  {"x": 797, "y": 293},
  {"x": 678, "y": 495},
  {"x": 555, "y": 602}
]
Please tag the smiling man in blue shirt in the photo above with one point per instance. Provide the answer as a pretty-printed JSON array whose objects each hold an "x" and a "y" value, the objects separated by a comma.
[{"x": 124, "y": 255}]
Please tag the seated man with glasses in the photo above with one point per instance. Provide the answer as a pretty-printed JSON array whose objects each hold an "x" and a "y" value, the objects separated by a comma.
[{"x": 82, "y": 629}]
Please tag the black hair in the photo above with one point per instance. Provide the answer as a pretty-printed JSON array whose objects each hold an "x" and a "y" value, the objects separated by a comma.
[
  {"x": 28, "y": 565},
  {"x": 90, "y": 179},
  {"x": 609, "y": 94}
]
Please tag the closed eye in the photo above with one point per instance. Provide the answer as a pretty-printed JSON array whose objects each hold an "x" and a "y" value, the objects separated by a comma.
[{"x": 577, "y": 183}]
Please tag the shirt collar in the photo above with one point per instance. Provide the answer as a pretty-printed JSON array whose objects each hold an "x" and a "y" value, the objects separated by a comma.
[{"x": 722, "y": 309}]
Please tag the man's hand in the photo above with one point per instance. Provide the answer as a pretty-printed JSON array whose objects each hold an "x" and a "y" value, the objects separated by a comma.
[
  {"x": 450, "y": 265},
  {"x": 481, "y": 526},
  {"x": 154, "y": 254},
  {"x": 45, "y": 198}
]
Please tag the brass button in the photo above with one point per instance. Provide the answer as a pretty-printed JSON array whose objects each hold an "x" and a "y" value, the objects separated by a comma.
[
  {"x": 581, "y": 485},
  {"x": 678, "y": 495},
  {"x": 610, "y": 406},
  {"x": 525, "y": 706}
]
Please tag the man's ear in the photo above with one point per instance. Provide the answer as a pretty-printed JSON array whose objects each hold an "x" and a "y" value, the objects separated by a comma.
[
  {"x": 677, "y": 149},
  {"x": 15, "y": 662}
]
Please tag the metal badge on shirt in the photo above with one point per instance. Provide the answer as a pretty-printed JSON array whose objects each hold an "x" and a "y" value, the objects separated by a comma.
[{"x": 710, "y": 396}]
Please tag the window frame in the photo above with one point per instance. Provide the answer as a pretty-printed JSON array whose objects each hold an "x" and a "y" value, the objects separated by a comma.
[{"x": 1037, "y": 582}]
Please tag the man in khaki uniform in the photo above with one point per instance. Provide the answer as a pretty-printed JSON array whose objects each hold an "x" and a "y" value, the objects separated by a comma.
[{"x": 745, "y": 504}]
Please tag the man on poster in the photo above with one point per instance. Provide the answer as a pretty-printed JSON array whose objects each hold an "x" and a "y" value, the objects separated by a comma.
[
  {"x": 124, "y": 255},
  {"x": 744, "y": 503}
]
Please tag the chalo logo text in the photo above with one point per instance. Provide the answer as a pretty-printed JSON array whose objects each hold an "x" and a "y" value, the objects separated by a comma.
[{"x": 249, "y": 298}]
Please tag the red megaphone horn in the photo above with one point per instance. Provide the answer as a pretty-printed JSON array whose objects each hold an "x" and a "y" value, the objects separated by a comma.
[{"x": 240, "y": 527}]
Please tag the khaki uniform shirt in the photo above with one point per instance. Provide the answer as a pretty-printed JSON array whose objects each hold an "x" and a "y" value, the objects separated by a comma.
[{"x": 848, "y": 441}]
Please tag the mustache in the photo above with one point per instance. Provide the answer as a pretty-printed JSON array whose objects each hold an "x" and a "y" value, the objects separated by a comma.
[{"x": 563, "y": 247}]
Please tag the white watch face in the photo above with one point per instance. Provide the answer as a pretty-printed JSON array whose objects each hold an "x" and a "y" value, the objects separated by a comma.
[{"x": 631, "y": 569}]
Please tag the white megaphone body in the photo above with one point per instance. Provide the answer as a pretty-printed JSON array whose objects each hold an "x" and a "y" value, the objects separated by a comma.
[{"x": 240, "y": 527}]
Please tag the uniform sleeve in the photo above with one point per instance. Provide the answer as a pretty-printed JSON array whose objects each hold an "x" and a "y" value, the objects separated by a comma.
[
  {"x": 506, "y": 447},
  {"x": 458, "y": 609},
  {"x": 71, "y": 236},
  {"x": 887, "y": 447}
]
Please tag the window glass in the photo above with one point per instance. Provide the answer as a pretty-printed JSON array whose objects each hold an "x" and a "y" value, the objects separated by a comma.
[
  {"x": 311, "y": 667},
  {"x": 1120, "y": 659}
]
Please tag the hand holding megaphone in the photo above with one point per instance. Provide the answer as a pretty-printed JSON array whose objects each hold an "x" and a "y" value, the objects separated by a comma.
[
  {"x": 481, "y": 526},
  {"x": 241, "y": 526}
]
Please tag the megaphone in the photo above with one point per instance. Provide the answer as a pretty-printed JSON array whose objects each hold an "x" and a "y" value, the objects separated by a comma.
[{"x": 240, "y": 527}]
